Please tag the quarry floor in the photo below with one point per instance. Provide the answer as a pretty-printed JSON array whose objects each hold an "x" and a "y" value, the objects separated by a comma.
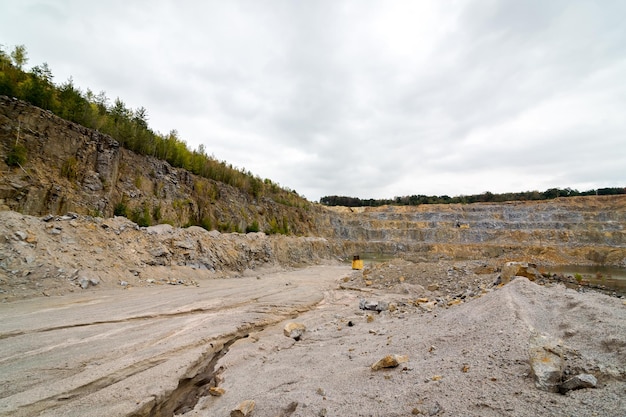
[{"x": 161, "y": 351}]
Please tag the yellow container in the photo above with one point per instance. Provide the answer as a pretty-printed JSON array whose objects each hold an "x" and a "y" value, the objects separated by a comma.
[{"x": 357, "y": 263}]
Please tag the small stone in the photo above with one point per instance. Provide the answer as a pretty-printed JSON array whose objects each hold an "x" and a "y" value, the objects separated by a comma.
[
  {"x": 217, "y": 391},
  {"x": 382, "y": 306},
  {"x": 389, "y": 361},
  {"x": 433, "y": 287},
  {"x": 84, "y": 283},
  {"x": 123, "y": 283},
  {"x": 244, "y": 409},
  {"x": 435, "y": 409},
  {"x": 367, "y": 305},
  {"x": 421, "y": 300},
  {"x": 370, "y": 318},
  {"x": 294, "y": 330},
  {"x": 368, "y": 283},
  {"x": 437, "y": 378},
  {"x": 578, "y": 382},
  {"x": 465, "y": 368},
  {"x": 21, "y": 235}
]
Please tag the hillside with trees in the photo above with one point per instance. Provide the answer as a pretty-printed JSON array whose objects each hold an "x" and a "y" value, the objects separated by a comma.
[{"x": 127, "y": 126}]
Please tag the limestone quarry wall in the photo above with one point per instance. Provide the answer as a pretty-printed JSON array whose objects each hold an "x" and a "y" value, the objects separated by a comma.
[{"x": 587, "y": 230}]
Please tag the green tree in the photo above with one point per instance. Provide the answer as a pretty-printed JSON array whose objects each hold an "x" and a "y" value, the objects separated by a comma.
[{"x": 19, "y": 56}]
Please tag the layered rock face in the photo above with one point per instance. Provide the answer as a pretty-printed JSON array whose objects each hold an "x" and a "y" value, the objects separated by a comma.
[
  {"x": 70, "y": 168},
  {"x": 588, "y": 230}
]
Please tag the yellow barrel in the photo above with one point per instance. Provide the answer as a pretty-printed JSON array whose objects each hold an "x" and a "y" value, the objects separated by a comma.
[{"x": 357, "y": 263}]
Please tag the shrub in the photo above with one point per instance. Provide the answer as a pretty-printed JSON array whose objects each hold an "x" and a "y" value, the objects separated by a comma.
[
  {"x": 141, "y": 216},
  {"x": 120, "y": 209},
  {"x": 252, "y": 228},
  {"x": 16, "y": 156},
  {"x": 70, "y": 168},
  {"x": 206, "y": 223}
]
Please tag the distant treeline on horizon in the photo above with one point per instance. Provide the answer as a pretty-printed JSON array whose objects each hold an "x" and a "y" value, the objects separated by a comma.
[{"x": 486, "y": 197}]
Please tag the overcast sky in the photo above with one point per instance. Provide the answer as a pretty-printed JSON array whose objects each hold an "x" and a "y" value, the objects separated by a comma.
[{"x": 370, "y": 99}]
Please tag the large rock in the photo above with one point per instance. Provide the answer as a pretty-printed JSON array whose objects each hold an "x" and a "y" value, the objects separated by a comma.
[
  {"x": 244, "y": 409},
  {"x": 373, "y": 305},
  {"x": 519, "y": 269},
  {"x": 546, "y": 362},
  {"x": 294, "y": 330},
  {"x": 578, "y": 382},
  {"x": 389, "y": 361}
]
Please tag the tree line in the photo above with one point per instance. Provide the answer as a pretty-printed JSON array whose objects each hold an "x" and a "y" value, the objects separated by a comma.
[
  {"x": 486, "y": 197},
  {"x": 128, "y": 126}
]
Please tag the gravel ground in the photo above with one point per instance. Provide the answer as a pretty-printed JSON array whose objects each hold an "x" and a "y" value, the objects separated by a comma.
[{"x": 465, "y": 358}]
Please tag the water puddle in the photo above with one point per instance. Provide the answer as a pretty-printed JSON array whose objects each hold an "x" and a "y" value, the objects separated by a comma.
[{"x": 603, "y": 277}]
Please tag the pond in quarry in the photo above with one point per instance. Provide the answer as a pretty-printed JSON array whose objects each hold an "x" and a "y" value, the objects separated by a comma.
[{"x": 611, "y": 277}]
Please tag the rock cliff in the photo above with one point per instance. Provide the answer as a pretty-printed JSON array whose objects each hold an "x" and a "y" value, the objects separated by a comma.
[{"x": 70, "y": 168}]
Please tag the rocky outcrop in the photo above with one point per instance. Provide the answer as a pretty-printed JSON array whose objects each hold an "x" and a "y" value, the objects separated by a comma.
[{"x": 70, "y": 168}]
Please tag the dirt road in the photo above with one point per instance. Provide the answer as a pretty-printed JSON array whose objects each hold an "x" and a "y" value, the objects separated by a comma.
[{"x": 143, "y": 351}]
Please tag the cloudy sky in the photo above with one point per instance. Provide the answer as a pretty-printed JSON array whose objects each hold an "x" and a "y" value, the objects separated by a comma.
[{"x": 371, "y": 99}]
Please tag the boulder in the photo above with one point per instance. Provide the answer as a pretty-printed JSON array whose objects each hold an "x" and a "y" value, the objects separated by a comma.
[
  {"x": 86, "y": 279},
  {"x": 217, "y": 391},
  {"x": 373, "y": 305},
  {"x": 244, "y": 409},
  {"x": 294, "y": 330},
  {"x": 546, "y": 362},
  {"x": 389, "y": 361},
  {"x": 21, "y": 235},
  {"x": 578, "y": 382},
  {"x": 159, "y": 229},
  {"x": 519, "y": 269}
]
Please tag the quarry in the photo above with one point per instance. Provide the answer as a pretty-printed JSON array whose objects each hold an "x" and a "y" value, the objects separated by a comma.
[{"x": 103, "y": 316}]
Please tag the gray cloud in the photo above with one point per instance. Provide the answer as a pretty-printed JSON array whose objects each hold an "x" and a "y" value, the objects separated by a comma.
[{"x": 360, "y": 98}]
